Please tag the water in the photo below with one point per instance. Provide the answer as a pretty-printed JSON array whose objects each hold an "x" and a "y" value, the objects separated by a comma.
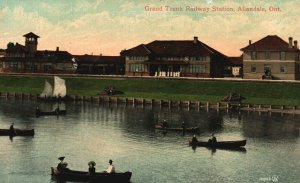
[{"x": 126, "y": 135}]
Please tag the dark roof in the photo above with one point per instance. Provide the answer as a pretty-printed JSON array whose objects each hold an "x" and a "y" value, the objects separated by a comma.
[
  {"x": 44, "y": 56},
  {"x": 269, "y": 43},
  {"x": 140, "y": 50},
  {"x": 172, "y": 48},
  {"x": 100, "y": 59},
  {"x": 53, "y": 55},
  {"x": 235, "y": 60},
  {"x": 17, "y": 48},
  {"x": 30, "y": 34}
]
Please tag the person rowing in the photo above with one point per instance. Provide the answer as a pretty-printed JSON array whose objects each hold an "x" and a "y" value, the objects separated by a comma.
[
  {"x": 183, "y": 126},
  {"x": 92, "y": 168},
  {"x": 165, "y": 124},
  {"x": 110, "y": 168},
  {"x": 194, "y": 140},
  {"x": 62, "y": 166},
  {"x": 213, "y": 140},
  {"x": 12, "y": 131}
]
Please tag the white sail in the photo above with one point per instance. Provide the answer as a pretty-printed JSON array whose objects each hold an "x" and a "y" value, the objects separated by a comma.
[
  {"x": 47, "y": 90},
  {"x": 60, "y": 89}
]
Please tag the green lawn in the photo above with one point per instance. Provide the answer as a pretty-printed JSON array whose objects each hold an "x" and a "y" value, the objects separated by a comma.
[{"x": 194, "y": 90}]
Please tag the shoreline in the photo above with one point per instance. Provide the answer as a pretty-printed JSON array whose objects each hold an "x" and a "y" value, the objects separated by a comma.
[{"x": 165, "y": 104}]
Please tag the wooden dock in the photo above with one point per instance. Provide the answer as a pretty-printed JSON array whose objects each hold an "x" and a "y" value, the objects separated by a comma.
[{"x": 154, "y": 103}]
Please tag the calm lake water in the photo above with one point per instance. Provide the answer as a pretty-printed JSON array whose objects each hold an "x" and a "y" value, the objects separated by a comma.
[{"x": 127, "y": 136}]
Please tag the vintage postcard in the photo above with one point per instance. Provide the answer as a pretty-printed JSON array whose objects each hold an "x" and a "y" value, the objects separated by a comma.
[{"x": 149, "y": 91}]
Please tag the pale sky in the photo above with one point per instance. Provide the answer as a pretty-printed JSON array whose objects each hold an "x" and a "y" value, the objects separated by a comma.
[{"x": 108, "y": 26}]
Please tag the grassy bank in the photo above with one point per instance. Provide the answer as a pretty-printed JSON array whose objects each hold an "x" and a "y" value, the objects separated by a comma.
[{"x": 194, "y": 90}]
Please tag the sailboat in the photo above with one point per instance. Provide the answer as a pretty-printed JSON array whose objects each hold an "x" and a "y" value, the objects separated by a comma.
[{"x": 59, "y": 91}]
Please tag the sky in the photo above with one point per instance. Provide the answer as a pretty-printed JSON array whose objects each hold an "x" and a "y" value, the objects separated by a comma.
[{"x": 108, "y": 26}]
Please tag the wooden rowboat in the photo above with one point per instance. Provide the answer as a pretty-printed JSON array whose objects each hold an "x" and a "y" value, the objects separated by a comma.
[
  {"x": 221, "y": 144},
  {"x": 18, "y": 132},
  {"x": 49, "y": 113},
  {"x": 81, "y": 176},
  {"x": 193, "y": 129}
]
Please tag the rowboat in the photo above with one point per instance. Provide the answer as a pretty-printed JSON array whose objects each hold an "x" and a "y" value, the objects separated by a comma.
[
  {"x": 193, "y": 129},
  {"x": 18, "y": 132},
  {"x": 81, "y": 176},
  {"x": 48, "y": 113},
  {"x": 221, "y": 144}
]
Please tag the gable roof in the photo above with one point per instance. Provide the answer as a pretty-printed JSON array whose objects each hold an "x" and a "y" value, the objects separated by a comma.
[
  {"x": 172, "y": 48},
  {"x": 140, "y": 50},
  {"x": 269, "y": 43},
  {"x": 30, "y": 34}
]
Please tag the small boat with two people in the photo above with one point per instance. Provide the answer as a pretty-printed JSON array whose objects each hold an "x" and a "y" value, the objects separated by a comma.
[
  {"x": 165, "y": 127},
  {"x": 213, "y": 143},
  {"x": 56, "y": 112}
]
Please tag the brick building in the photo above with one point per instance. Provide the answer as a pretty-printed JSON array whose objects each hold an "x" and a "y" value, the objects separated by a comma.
[
  {"x": 175, "y": 58},
  {"x": 28, "y": 59},
  {"x": 271, "y": 58}
]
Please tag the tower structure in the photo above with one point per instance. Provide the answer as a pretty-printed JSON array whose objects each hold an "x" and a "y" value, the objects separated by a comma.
[{"x": 31, "y": 42}]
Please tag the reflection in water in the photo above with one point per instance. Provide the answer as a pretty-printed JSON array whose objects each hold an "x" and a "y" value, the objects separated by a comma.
[
  {"x": 215, "y": 122},
  {"x": 127, "y": 135},
  {"x": 214, "y": 150},
  {"x": 271, "y": 127}
]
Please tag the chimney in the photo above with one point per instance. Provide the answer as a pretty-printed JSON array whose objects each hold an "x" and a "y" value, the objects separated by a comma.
[
  {"x": 57, "y": 48},
  {"x": 195, "y": 39},
  {"x": 295, "y": 44},
  {"x": 250, "y": 42},
  {"x": 290, "y": 42}
]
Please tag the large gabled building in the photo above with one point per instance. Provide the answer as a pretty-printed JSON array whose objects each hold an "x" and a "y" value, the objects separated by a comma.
[
  {"x": 174, "y": 58},
  {"x": 271, "y": 58},
  {"x": 28, "y": 59}
]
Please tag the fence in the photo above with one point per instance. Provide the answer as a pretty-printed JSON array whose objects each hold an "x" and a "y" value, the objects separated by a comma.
[{"x": 180, "y": 105}]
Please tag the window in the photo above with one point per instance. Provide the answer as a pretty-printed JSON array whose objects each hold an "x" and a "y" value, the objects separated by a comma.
[
  {"x": 196, "y": 69},
  {"x": 137, "y": 58},
  {"x": 297, "y": 56},
  {"x": 282, "y": 68},
  {"x": 282, "y": 55},
  {"x": 28, "y": 66},
  {"x": 136, "y": 67},
  {"x": 267, "y": 55},
  {"x": 200, "y": 58},
  {"x": 47, "y": 68},
  {"x": 253, "y": 68},
  {"x": 267, "y": 69},
  {"x": 253, "y": 55},
  {"x": 14, "y": 66}
]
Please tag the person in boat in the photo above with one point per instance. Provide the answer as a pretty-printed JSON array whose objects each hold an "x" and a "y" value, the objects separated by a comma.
[
  {"x": 62, "y": 166},
  {"x": 57, "y": 110},
  {"x": 213, "y": 138},
  {"x": 165, "y": 124},
  {"x": 183, "y": 126},
  {"x": 92, "y": 169},
  {"x": 110, "y": 168},
  {"x": 12, "y": 131},
  {"x": 194, "y": 139},
  {"x": 37, "y": 111}
]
